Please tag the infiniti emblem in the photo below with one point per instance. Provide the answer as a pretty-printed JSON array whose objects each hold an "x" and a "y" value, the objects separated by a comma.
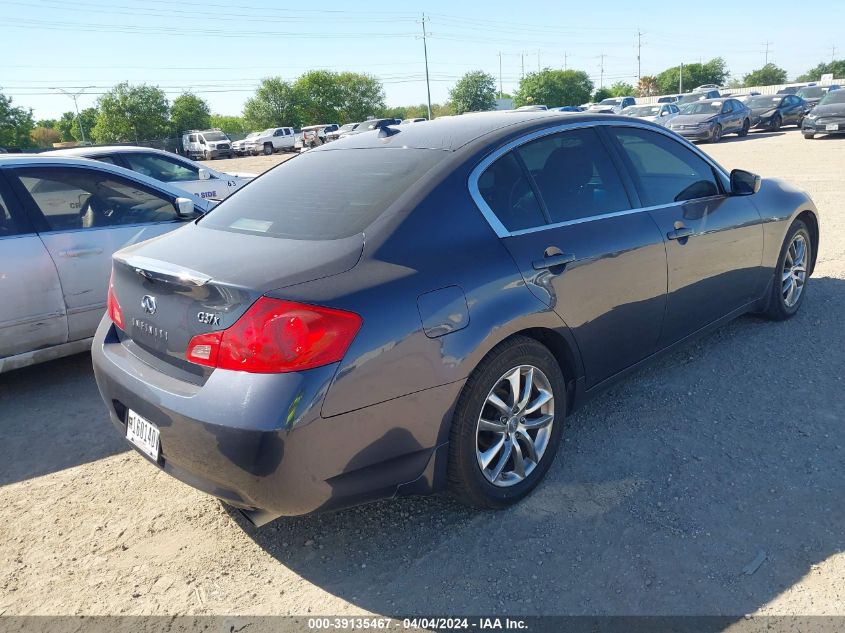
[{"x": 149, "y": 304}]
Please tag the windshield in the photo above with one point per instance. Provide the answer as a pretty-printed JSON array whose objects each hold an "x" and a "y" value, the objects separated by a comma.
[
  {"x": 348, "y": 126},
  {"x": 253, "y": 134},
  {"x": 365, "y": 182},
  {"x": 813, "y": 92},
  {"x": 610, "y": 101},
  {"x": 691, "y": 98},
  {"x": 706, "y": 107},
  {"x": 834, "y": 96},
  {"x": 215, "y": 136},
  {"x": 641, "y": 110},
  {"x": 764, "y": 102}
]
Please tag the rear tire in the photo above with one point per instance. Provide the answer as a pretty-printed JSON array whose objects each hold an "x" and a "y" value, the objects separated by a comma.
[
  {"x": 792, "y": 272},
  {"x": 776, "y": 123},
  {"x": 809, "y": 137},
  {"x": 516, "y": 438},
  {"x": 746, "y": 125}
]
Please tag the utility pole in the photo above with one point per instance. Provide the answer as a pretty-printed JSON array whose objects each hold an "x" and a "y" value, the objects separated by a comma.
[
  {"x": 681, "y": 80},
  {"x": 538, "y": 60},
  {"x": 75, "y": 96},
  {"x": 500, "y": 75},
  {"x": 522, "y": 60},
  {"x": 833, "y": 53},
  {"x": 766, "y": 52},
  {"x": 427, "y": 84},
  {"x": 565, "y": 56},
  {"x": 639, "y": 62},
  {"x": 601, "y": 75}
]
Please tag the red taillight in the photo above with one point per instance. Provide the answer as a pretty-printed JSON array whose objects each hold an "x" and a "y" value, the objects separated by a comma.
[
  {"x": 276, "y": 336},
  {"x": 115, "y": 313}
]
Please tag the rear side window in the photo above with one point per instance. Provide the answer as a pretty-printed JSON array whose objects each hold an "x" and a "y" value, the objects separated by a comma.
[
  {"x": 161, "y": 168},
  {"x": 323, "y": 195},
  {"x": 665, "y": 170},
  {"x": 509, "y": 194},
  {"x": 575, "y": 175}
]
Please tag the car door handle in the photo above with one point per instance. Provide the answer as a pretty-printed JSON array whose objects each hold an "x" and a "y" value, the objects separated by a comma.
[
  {"x": 550, "y": 261},
  {"x": 80, "y": 252},
  {"x": 679, "y": 233}
]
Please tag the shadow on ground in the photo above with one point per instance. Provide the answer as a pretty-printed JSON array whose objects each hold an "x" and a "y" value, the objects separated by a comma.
[
  {"x": 665, "y": 491},
  {"x": 52, "y": 418}
]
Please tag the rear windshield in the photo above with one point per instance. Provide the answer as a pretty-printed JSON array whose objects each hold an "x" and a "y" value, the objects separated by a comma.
[
  {"x": 834, "y": 96},
  {"x": 323, "y": 195}
]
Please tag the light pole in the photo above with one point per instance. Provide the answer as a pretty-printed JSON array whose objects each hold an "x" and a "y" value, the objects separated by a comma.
[{"x": 75, "y": 96}]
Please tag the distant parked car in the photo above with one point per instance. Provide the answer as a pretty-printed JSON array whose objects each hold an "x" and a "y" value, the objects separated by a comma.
[
  {"x": 193, "y": 178},
  {"x": 371, "y": 124},
  {"x": 660, "y": 113},
  {"x": 61, "y": 219},
  {"x": 315, "y": 135},
  {"x": 710, "y": 119},
  {"x": 813, "y": 94},
  {"x": 789, "y": 90},
  {"x": 419, "y": 119},
  {"x": 531, "y": 108},
  {"x": 341, "y": 131},
  {"x": 706, "y": 88},
  {"x": 240, "y": 147},
  {"x": 613, "y": 105},
  {"x": 569, "y": 109},
  {"x": 770, "y": 112},
  {"x": 207, "y": 144},
  {"x": 828, "y": 117},
  {"x": 271, "y": 140},
  {"x": 669, "y": 99},
  {"x": 692, "y": 97}
]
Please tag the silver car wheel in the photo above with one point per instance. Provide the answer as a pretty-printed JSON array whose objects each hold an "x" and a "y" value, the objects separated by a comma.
[
  {"x": 794, "y": 272},
  {"x": 514, "y": 426}
]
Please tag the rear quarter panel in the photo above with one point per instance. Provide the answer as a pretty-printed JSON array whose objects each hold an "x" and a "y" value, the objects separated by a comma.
[{"x": 779, "y": 204}]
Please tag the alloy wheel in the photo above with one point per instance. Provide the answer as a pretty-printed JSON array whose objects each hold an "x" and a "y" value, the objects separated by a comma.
[
  {"x": 514, "y": 426},
  {"x": 794, "y": 273}
]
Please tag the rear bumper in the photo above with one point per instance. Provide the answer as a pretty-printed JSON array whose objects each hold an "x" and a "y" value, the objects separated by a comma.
[{"x": 258, "y": 442}]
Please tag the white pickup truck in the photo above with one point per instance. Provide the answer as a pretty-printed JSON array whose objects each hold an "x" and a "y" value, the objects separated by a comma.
[{"x": 271, "y": 140}]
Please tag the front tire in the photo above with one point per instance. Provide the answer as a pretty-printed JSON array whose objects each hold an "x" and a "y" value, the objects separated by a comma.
[
  {"x": 789, "y": 286},
  {"x": 717, "y": 134},
  {"x": 507, "y": 425},
  {"x": 809, "y": 137},
  {"x": 776, "y": 123},
  {"x": 746, "y": 125},
  {"x": 268, "y": 149}
]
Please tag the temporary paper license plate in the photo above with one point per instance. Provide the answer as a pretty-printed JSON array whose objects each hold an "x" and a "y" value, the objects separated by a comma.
[
  {"x": 142, "y": 433},
  {"x": 832, "y": 127}
]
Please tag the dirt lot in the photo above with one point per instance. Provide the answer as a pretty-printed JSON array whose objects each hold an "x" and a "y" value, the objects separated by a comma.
[{"x": 666, "y": 489}]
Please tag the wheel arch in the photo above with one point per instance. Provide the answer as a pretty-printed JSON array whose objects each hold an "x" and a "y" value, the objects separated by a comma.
[
  {"x": 812, "y": 221},
  {"x": 566, "y": 356}
]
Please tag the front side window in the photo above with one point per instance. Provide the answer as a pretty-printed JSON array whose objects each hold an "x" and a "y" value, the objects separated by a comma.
[
  {"x": 161, "y": 168},
  {"x": 575, "y": 175},
  {"x": 73, "y": 199},
  {"x": 8, "y": 226},
  {"x": 507, "y": 191},
  {"x": 665, "y": 171},
  {"x": 192, "y": 138}
]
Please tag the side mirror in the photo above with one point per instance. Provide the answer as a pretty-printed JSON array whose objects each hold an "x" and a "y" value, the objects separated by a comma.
[
  {"x": 184, "y": 207},
  {"x": 203, "y": 174},
  {"x": 202, "y": 141},
  {"x": 744, "y": 183}
]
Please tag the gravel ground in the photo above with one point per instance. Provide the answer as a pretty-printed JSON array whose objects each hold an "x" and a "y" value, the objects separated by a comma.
[{"x": 709, "y": 483}]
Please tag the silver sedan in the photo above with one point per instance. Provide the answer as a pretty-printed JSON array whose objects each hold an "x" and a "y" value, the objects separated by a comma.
[
  {"x": 660, "y": 113},
  {"x": 61, "y": 219}
]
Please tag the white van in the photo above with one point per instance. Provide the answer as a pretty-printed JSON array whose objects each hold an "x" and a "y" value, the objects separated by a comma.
[{"x": 207, "y": 144}]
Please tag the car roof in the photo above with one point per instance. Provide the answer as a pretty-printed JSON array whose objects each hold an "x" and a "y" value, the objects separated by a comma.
[
  {"x": 454, "y": 132},
  {"x": 87, "y": 150}
]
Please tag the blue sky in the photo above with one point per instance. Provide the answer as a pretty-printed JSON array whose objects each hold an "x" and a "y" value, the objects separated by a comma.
[{"x": 220, "y": 49}]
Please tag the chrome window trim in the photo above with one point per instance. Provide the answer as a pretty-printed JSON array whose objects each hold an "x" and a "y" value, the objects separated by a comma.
[{"x": 502, "y": 231}]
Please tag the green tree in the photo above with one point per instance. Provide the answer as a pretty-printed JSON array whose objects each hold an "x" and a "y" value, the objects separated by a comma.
[
  {"x": 835, "y": 67},
  {"x": 232, "y": 125},
  {"x": 45, "y": 136},
  {"x": 48, "y": 123},
  {"x": 713, "y": 72},
  {"x": 275, "y": 103},
  {"x": 474, "y": 92},
  {"x": 601, "y": 94},
  {"x": 361, "y": 96},
  {"x": 68, "y": 126},
  {"x": 329, "y": 97},
  {"x": 621, "y": 89},
  {"x": 553, "y": 88},
  {"x": 132, "y": 113},
  {"x": 189, "y": 112},
  {"x": 768, "y": 75},
  {"x": 15, "y": 124}
]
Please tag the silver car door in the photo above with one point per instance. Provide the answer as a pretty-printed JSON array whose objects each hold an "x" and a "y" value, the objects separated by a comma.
[
  {"x": 32, "y": 312},
  {"x": 86, "y": 215}
]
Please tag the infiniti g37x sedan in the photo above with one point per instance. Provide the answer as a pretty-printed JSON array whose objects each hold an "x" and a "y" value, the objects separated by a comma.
[{"x": 431, "y": 322}]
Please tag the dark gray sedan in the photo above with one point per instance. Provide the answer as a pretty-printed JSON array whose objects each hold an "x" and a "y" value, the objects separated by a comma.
[
  {"x": 431, "y": 323},
  {"x": 710, "y": 119}
]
